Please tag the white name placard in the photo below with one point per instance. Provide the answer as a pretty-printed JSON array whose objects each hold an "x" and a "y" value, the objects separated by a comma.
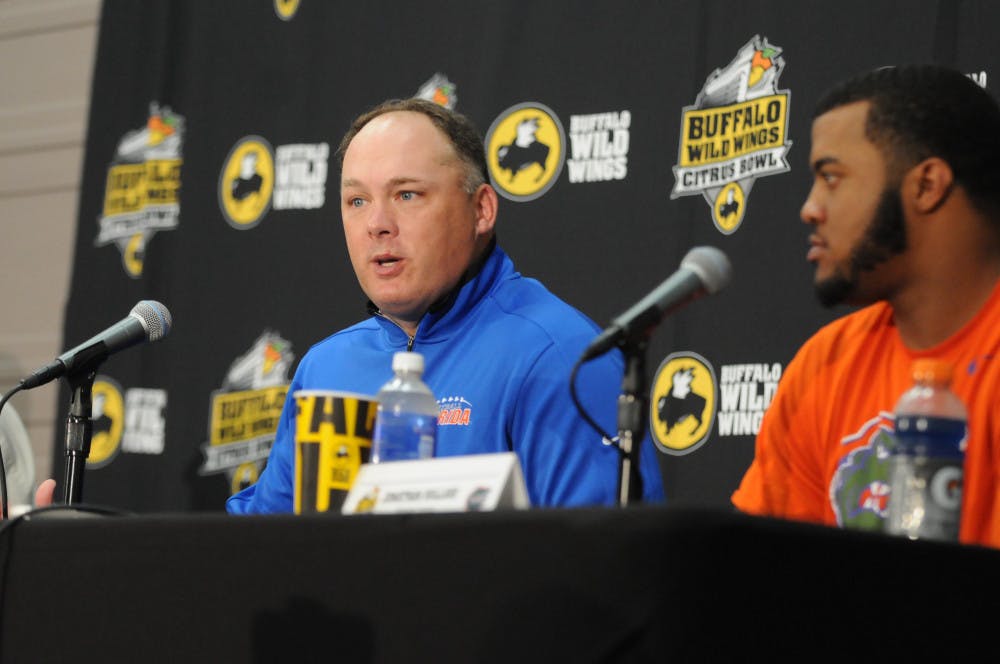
[{"x": 474, "y": 483}]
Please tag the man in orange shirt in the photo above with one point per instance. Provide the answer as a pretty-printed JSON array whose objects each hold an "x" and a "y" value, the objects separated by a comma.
[{"x": 905, "y": 218}]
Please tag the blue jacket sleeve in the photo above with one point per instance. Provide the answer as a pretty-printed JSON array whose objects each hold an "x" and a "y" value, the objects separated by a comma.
[
  {"x": 564, "y": 459},
  {"x": 273, "y": 490}
]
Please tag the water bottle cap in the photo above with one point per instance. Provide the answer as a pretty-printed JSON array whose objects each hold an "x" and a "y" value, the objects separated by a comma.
[
  {"x": 931, "y": 370},
  {"x": 407, "y": 361}
]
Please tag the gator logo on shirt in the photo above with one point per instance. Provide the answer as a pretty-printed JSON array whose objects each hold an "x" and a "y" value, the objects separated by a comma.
[{"x": 859, "y": 490}]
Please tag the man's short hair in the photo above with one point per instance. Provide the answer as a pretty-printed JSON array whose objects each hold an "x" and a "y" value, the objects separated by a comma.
[
  {"x": 921, "y": 111},
  {"x": 462, "y": 134}
]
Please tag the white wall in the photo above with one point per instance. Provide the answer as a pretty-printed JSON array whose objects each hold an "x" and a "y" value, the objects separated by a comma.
[{"x": 47, "y": 52}]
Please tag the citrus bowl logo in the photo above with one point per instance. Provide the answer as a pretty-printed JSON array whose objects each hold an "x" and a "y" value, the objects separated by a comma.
[
  {"x": 525, "y": 151},
  {"x": 439, "y": 90},
  {"x": 109, "y": 422},
  {"x": 142, "y": 191},
  {"x": 682, "y": 403},
  {"x": 735, "y": 133},
  {"x": 246, "y": 182}
]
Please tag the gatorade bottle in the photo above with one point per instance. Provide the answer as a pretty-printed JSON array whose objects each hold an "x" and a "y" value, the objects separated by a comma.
[
  {"x": 926, "y": 466},
  {"x": 406, "y": 423}
]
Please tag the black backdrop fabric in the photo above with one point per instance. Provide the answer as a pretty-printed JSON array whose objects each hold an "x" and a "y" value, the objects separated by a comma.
[{"x": 666, "y": 142}]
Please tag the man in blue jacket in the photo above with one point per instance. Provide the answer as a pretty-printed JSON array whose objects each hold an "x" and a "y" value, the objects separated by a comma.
[{"x": 419, "y": 214}]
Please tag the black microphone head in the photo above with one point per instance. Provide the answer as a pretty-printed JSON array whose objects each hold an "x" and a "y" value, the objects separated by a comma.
[
  {"x": 155, "y": 318},
  {"x": 711, "y": 265}
]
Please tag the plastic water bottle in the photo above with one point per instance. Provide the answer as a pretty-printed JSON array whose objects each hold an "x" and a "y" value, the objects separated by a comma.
[
  {"x": 406, "y": 423},
  {"x": 925, "y": 469}
]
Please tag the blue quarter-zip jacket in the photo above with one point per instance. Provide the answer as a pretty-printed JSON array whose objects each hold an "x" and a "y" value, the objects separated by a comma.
[{"x": 500, "y": 351}]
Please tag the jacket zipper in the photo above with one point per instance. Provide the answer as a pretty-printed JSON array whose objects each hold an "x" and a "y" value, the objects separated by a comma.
[{"x": 409, "y": 340}]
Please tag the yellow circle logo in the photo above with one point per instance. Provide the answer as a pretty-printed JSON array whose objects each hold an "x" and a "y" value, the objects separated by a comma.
[
  {"x": 133, "y": 254},
  {"x": 682, "y": 403},
  {"x": 246, "y": 182},
  {"x": 525, "y": 151},
  {"x": 244, "y": 475},
  {"x": 285, "y": 9},
  {"x": 108, "y": 414},
  {"x": 727, "y": 210}
]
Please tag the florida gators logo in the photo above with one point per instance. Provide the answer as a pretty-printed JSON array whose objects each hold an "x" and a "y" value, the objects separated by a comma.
[
  {"x": 874, "y": 498},
  {"x": 454, "y": 411},
  {"x": 859, "y": 489}
]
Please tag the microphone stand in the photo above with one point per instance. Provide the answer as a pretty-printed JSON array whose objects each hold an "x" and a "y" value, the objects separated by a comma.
[
  {"x": 79, "y": 430},
  {"x": 632, "y": 415}
]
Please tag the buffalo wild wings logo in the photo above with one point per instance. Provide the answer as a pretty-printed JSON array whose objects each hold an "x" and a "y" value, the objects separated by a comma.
[
  {"x": 256, "y": 178},
  {"x": 108, "y": 414},
  {"x": 736, "y": 132},
  {"x": 142, "y": 193},
  {"x": 745, "y": 392},
  {"x": 525, "y": 151},
  {"x": 246, "y": 182},
  {"x": 244, "y": 413},
  {"x": 130, "y": 421},
  {"x": 682, "y": 403},
  {"x": 599, "y": 146}
]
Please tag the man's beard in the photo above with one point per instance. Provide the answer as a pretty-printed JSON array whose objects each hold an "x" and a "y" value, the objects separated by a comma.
[{"x": 884, "y": 238}]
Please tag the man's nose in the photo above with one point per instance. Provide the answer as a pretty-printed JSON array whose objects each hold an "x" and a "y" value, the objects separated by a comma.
[
  {"x": 812, "y": 210},
  {"x": 382, "y": 221}
]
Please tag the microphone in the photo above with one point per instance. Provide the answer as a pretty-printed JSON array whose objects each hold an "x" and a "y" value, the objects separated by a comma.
[
  {"x": 148, "y": 321},
  {"x": 704, "y": 271}
]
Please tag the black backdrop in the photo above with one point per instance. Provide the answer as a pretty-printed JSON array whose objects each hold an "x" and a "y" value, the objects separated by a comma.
[{"x": 182, "y": 89}]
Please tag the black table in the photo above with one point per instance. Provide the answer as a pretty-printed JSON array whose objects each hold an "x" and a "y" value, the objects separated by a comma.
[{"x": 640, "y": 584}]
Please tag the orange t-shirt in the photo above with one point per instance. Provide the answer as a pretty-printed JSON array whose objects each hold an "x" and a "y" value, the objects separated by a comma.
[{"x": 823, "y": 438}]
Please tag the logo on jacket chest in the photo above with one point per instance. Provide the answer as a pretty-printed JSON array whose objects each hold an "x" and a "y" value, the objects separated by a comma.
[{"x": 455, "y": 411}]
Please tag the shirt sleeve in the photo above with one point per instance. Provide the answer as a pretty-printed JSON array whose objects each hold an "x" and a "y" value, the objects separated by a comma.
[
  {"x": 273, "y": 490},
  {"x": 785, "y": 479},
  {"x": 565, "y": 461}
]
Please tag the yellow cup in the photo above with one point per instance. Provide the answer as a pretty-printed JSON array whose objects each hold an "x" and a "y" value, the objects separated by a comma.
[{"x": 333, "y": 437}]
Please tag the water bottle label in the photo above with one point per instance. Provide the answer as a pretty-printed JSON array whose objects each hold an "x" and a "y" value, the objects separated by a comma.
[
  {"x": 403, "y": 437},
  {"x": 925, "y": 499},
  {"x": 919, "y": 435}
]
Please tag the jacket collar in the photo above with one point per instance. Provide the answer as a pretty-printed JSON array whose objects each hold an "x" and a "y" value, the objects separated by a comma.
[{"x": 447, "y": 314}]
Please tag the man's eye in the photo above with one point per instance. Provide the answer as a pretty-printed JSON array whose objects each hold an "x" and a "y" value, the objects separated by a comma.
[
  {"x": 407, "y": 196},
  {"x": 355, "y": 202}
]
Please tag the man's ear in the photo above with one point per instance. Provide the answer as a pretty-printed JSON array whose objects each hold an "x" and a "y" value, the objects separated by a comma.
[
  {"x": 486, "y": 204},
  {"x": 928, "y": 184}
]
